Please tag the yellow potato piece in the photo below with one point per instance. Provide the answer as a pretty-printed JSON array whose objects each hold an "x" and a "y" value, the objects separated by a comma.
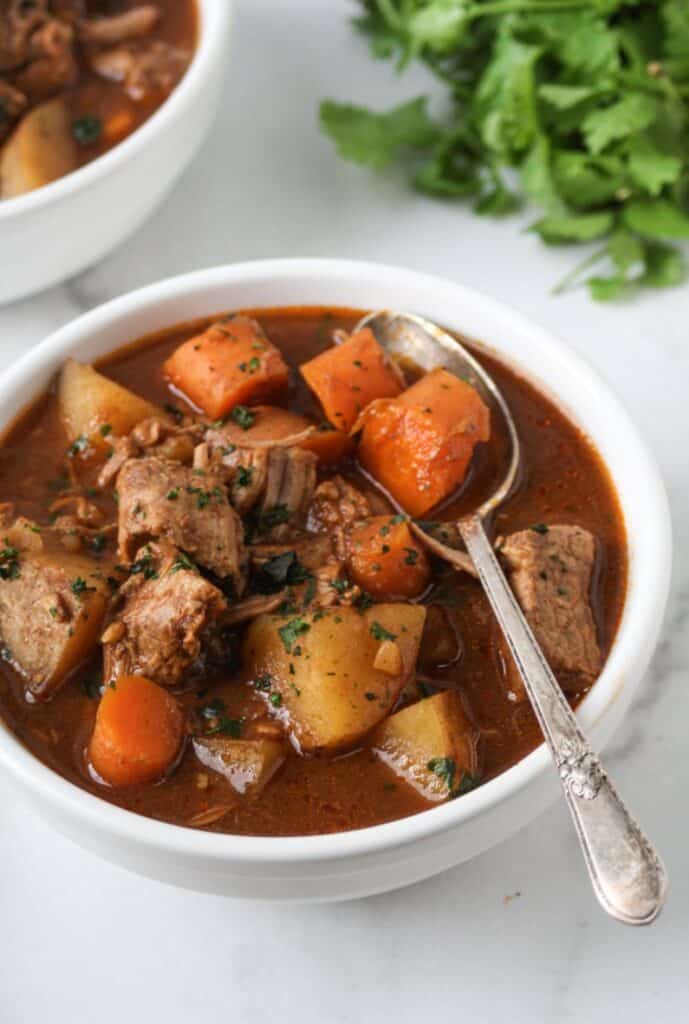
[
  {"x": 431, "y": 745},
  {"x": 248, "y": 765},
  {"x": 318, "y": 670},
  {"x": 92, "y": 406},
  {"x": 40, "y": 150}
]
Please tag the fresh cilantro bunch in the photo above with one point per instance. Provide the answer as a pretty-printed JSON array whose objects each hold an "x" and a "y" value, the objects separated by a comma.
[{"x": 588, "y": 100}]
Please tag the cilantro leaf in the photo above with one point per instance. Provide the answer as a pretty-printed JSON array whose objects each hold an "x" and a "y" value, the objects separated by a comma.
[{"x": 369, "y": 138}]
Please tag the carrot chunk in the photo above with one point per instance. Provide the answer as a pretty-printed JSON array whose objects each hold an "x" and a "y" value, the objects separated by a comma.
[
  {"x": 231, "y": 363},
  {"x": 138, "y": 732},
  {"x": 271, "y": 423},
  {"x": 349, "y": 376},
  {"x": 386, "y": 560},
  {"x": 419, "y": 445}
]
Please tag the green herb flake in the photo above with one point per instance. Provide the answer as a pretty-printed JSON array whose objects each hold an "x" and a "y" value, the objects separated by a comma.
[
  {"x": 242, "y": 416},
  {"x": 87, "y": 130},
  {"x": 293, "y": 629},
  {"x": 539, "y": 528},
  {"x": 379, "y": 632}
]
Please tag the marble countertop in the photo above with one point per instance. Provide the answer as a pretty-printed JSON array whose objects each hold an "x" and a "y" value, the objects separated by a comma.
[{"x": 514, "y": 935}]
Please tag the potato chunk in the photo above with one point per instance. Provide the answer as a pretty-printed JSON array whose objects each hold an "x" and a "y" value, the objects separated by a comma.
[
  {"x": 432, "y": 745},
  {"x": 94, "y": 407},
  {"x": 248, "y": 765},
  {"x": 51, "y": 613},
  {"x": 40, "y": 150},
  {"x": 319, "y": 670}
]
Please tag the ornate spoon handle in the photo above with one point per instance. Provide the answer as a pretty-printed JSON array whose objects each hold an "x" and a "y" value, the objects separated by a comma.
[{"x": 627, "y": 874}]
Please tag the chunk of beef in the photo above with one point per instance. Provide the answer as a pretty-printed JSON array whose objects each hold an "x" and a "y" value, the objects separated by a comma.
[
  {"x": 168, "y": 625},
  {"x": 337, "y": 505},
  {"x": 145, "y": 70},
  {"x": 153, "y": 436},
  {"x": 52, "y": 606},
  {"x": 115, "y": 28},
  {"x": 12, "y": 104},
  {"x": 160, "y": 499},
  {"x": 51, "y": 65},
  {"x": 289, "y": 487},
  {"x": 551, "y": 569},
  {"x": 18, "y": 20}
]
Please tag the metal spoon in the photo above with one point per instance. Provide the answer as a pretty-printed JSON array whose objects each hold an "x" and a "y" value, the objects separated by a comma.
[{"x": 627, "y": 874}]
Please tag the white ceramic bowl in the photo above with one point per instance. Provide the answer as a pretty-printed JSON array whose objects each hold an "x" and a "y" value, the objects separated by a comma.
[
  {"x": 56, "y": 231},
  {"x": 386, "y": 856}
]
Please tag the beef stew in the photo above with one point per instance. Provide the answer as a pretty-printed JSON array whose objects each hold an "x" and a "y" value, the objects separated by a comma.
[{"x": 244, "y": 636}]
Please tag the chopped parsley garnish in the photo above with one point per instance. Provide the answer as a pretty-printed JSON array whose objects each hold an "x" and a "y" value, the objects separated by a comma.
[
  {"x": 79, "y": 445},
  {"x": 183, "y": 561},
  {"x": 278, "y": 572},
  {"x": 341, "y": 586},
  {"x": 172, "y": 410},
  {"x": 446, "y": 769},
  {"x": 293, "y": 629},
  {"x": 98, "y": 543},
  {"x": 243, "y": 416},
  {"x": 244, "y": 476},
  {"x": 276, "y": 700},
  {"x": 92, "y": 687},
  {"x": 87, "y": 129},
  {"x": 263, "y": 682},
  {"x": 79, "y": 586},
  {"x": 379, "y": 632},
  {"x": 9, "y": 562},
  {"x": 363, "y": 601},
  {"x": 173, "y": 494},
  {"x": 412, "y": 556},
  {"x": 214, "y": 712},
  {"x": 371, "y": 696},
  {"x": 539, "y": 528},
  {"x": 144, "y": 566},
  {"x": 273, "y": 516}
]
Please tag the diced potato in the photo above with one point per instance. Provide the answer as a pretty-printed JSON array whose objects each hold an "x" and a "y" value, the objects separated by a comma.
[
  {"x": 319, "y": 670},
  {"x": 96, "y": 408},
  {"x": 51, "y": 614},
  {"x": 248, "y": 765},
  {"x": 40, "y": 150},
  {"x": 432, "y": 745}
]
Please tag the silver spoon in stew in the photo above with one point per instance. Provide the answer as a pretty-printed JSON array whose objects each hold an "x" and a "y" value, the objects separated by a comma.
[{"x": 628, "y": 876}]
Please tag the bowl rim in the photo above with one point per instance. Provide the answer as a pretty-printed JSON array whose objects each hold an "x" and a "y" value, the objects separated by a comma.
[
  {"x": 642, "y": 614},
  {"x": 214, "y": 19}
]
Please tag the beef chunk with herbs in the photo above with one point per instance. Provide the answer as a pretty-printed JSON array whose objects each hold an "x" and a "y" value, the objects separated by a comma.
[
  {"x": 168, "y": 625},
  {"x": 163, "y": 500},
  {"x": 550, "y": 570}
]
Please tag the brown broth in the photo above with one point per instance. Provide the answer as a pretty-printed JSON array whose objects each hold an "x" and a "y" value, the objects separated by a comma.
[{"x": 564, "y": 480}]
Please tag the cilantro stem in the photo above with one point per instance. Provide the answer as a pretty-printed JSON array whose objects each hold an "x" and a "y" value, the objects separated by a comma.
[{"x": 586, "y": 264}]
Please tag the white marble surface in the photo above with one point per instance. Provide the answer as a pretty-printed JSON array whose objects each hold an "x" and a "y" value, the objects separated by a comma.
[{"x": 85, "y": 941}]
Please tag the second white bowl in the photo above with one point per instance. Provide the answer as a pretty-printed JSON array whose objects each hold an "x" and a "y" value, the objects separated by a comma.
[{"x": 57, "y": 231}]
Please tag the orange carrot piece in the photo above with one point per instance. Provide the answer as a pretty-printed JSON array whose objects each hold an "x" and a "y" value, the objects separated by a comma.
[
  {"x": 349, "y": 376},
  {"x": 230, "y": 363},
  {"x": 386, "y": 560},
  {"x": 273, "y": 423},
  {"x": 419, "y": 445},
  {"x": 138, "y": 732},
  {"x": 118, "y": 126}
]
